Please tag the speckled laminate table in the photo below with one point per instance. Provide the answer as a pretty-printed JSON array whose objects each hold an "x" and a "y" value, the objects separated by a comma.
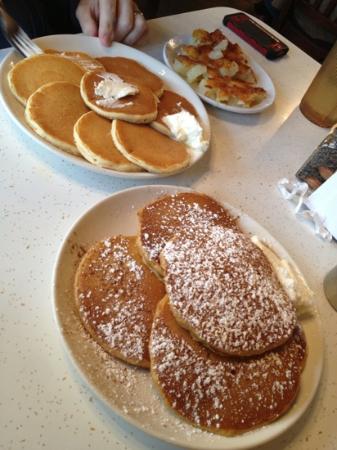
[{"x": 43, "y": 402}]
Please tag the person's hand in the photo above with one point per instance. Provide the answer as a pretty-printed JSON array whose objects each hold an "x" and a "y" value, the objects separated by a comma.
[{"x": 111, "y": 20}]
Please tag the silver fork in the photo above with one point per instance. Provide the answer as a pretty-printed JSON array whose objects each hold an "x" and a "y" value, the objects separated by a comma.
[{"x": 16, "y": 36}]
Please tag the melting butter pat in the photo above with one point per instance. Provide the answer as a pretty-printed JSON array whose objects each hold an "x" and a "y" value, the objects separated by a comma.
[
  {"x": 112, "y": 87},
  {"x": 292, "y": 281},
  {"x": 184, "y": 127}
]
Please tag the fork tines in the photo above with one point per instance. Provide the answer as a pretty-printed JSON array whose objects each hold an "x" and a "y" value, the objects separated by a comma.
[
  {"x": 16, "y": 36},
  {"x": 23, "y": 43}
]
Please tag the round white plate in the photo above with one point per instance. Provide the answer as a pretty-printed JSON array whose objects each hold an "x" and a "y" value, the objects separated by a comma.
[
  {"x": 170, "y": 51},
  {"x": 129, "y": 391},
  {"x": 92, "y": 46}
]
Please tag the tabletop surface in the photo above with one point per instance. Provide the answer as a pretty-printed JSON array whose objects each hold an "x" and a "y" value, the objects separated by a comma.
[{"x": 43, "y": 401}]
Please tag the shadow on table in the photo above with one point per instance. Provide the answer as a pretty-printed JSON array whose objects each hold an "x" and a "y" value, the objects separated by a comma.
[{"x": 290, "y": 145}]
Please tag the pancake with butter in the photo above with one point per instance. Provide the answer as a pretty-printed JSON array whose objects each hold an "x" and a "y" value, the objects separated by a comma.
[
  {"x": 129, "y": 68},
  {"x": 171, "y": 103},
  {"x": 223, "y": 395},
  {"x": 29, "y": 74},
  {"x": 52, "y": 112},
  {"x": 113, "y": 98},
  {"x": 148, "y": 148},
  {"x": 116, "y": 296},
  {"x": 92, "y": 134},
  {"x": 222, "y": 288},
  {"x": 165, "y": 217},
  {"x": 87, "y": 62}
]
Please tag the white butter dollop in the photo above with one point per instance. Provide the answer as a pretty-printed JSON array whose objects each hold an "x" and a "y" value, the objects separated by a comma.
[
  {"x": 112, "y": 87},
  {"x": 290, "y": 278},
  {"x": 184, "y": 127}
]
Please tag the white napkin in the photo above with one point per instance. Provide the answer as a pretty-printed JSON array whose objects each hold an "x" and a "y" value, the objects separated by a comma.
[
  {"x": 324, "y": 202},
  {"x": 319, "y": 207}
]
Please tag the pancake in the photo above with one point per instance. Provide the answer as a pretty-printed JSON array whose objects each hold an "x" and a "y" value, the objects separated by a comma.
[
  {"x": 126, "y": 68},
  {"x": 222, "y": 288},
  {"x": 223, "y": 395},
  {"x": 160, "y": 220},
  {"x": 148, "y": 148},
  {"x": 92, "y": 134},
  {"x": 52, "y": 112},
  {"x": 171, "y": 103},
  {"x": 116, "y": 296},
  {"x": 87, "y": 62},
  {"x": 138, "y": 108},
  {"x": 29, "y": 74}
]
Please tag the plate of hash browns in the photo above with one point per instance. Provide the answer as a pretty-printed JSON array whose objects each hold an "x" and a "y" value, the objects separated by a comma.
[{"x": 220, "y": 72}]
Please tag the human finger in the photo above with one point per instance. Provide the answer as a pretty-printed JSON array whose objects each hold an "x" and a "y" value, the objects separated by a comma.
[
  {"x": 139, "y": 29},
  {"x": 125, "y": 19},
  {"x": 85, "y": 16},
  {"x": 107, "y": 21}
]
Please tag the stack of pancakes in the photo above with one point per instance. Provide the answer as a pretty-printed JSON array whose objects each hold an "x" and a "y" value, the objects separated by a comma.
[
  {"x": 58, "y": 90},
  {"x": 195, "y": 300}
]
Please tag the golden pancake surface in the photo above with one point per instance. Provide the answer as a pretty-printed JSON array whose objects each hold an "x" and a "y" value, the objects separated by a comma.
[
  {"x": 31, "y": 73},
  {"x": 132, "y": 70},
  {"x": 149, "y": 148},
  {"x": 87, "y": 62},
  {"x": 116, "y": 296},
  {"x": 92, "y": 134},
  {"x": 52, "y": 112},
  {"x": 165, "y": 217},
  {"x": 138, "y": 105},
  {"x": 222, "y": 288},
  {"x": 217, "y": 393},
  {"x": 138, "y": 108}
]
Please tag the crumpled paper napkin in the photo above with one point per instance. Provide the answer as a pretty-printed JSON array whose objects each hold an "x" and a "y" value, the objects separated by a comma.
[{"x": 318, "y": 207}]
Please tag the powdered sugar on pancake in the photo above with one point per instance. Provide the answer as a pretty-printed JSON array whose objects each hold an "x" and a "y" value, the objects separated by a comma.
[
  {"x": 127, "y": 388},
  {"x": 113, "y": 303},
  {"x": 222, "y": 394},
  {"x": 223, "y": 289},
  {"x": 162, "y": 219}
]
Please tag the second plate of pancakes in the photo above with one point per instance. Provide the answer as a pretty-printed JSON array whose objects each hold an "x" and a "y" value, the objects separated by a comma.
[
  {"x": 129, "y": 391},
  {"x": 90, "y": 45}
]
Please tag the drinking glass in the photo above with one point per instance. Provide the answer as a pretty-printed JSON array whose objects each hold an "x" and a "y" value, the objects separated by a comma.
[
  {"x": 330, "y": 287},
  {"x": 319, "y": 103}
]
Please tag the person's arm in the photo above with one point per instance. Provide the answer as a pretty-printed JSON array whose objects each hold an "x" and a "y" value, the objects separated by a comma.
[{"x": 110, "y": 20}]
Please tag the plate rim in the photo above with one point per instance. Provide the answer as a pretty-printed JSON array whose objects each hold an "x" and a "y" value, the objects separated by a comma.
[
  {"x": 230, "y": 108},
  {"x": 159, "y": 190},
  {"x": 82, "y": 162}
]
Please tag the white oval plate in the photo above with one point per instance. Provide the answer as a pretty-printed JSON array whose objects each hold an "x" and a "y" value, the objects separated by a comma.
[
  {"x": 263, "y": 79},
  {"x": 92, "y": 46},
  {"x": 129, "y": 391}
]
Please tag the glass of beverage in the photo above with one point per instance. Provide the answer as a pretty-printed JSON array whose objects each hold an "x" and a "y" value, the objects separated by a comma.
[
  {"x": 330, "y": 287},
  {"x": 319, "y": 103}
]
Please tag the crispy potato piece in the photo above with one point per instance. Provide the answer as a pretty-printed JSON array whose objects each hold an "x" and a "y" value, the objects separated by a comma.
[{"x": 219, "y": 69}]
